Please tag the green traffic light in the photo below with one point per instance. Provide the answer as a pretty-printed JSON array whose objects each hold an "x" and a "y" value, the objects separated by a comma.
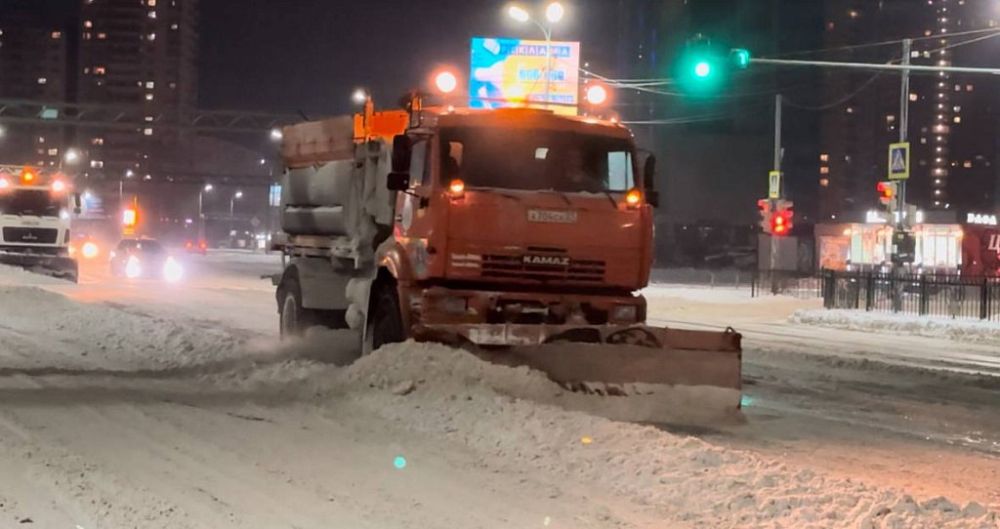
[
  {"x": 740, "y": 57},
  {"x": 703, "y": 69}
]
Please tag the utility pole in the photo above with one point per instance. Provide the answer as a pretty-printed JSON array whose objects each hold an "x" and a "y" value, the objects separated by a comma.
[
  {"x": 774, "y": 202},
  {"x": 904, "y": 119},
  {"x": 777, "y": 132}
]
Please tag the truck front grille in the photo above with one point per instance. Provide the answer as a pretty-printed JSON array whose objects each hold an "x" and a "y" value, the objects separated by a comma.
[
  {"x": 30, "y": 235},
  {"x": 558, "y": 268}
]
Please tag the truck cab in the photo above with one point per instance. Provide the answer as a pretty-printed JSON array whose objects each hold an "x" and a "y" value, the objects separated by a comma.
[
  {"x": 35, "y": 214},
  {"x": 518, "y": 216}
]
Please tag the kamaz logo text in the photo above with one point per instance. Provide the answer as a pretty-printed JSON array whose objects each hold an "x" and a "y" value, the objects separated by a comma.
[{"x": 546, "y": 260}]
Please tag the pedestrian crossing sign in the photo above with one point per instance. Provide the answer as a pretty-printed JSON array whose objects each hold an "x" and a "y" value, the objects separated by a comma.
[{"x": 899, "y": 161}]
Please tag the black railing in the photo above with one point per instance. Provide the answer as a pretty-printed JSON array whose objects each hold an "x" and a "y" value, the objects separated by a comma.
[
  {"x": 925, "y": 295},
  {"x": 779, "y": 282}
]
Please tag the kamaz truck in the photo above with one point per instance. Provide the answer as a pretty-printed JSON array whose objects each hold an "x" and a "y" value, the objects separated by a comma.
[{"x": 522, "y": 235}]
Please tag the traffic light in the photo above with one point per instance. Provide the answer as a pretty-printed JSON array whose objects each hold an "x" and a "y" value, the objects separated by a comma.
[
  {"x": 703, "y": 67},
  {"x": 740, "y": 58},
  {"x": 781, "y": 222},
  {"x": 130, "y": 217},
  {"x": 764, "y": 206},
  {"x": 776, "y": 216},
  {"x": 887, "y": 193}
]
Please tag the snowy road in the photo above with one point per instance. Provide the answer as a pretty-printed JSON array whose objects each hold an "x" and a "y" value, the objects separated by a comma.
[
  {"x": 858, "y": 404},
  {"x": 145, "y": 405}
]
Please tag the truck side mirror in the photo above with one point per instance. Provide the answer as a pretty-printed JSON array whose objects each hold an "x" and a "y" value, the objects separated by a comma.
[
  {"x": 649, "y": 181},
  {"x": 77, "y": 204},
  {"x": 398, "y": 180},
  {"x": 402, "y": 148},
  {"x": 649, "y": 172}
]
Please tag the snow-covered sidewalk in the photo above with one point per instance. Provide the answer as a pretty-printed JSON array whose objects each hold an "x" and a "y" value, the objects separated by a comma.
[{"x": 929, "y": 326}]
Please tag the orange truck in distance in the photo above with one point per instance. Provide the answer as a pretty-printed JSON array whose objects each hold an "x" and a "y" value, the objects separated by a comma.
[{"x": 522, "y": 235}]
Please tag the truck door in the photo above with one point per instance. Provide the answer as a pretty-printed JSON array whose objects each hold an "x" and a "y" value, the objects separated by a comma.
[{"x": 413, "y": 220}]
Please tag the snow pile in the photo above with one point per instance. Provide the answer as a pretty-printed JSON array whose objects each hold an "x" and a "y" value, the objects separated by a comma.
[
  {"x": 441, "y": 391},
  {"x": 105, "y": 332},
  {"x": 930, "y": 327}
]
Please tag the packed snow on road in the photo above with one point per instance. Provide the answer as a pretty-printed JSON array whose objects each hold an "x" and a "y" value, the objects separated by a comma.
[{"x": 152, "y": 405}]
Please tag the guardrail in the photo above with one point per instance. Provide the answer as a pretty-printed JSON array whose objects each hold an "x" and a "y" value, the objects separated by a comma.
[{"x": 924, "y": 295}]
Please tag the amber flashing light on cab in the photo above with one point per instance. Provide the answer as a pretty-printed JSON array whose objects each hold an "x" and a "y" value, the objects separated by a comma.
[{"x": 456, "y": 188}]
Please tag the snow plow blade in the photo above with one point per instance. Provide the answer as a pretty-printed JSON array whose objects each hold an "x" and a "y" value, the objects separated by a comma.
[
  {"x": 606, "y": 356},
  {"x": 58, "y": 266}
]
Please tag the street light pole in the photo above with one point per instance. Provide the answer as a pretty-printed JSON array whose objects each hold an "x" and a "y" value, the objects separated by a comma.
[
  {"x": 201, "y": 215},
  {"x": 904, "y": 119},
  {"x": 553, "y": 13}
]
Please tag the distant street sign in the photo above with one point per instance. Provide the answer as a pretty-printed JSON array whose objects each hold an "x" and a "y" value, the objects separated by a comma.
[
  {"x": 899, "y": 161},
  {"x": 274, "y": 195},
  {"x": 774, "y": 185}
]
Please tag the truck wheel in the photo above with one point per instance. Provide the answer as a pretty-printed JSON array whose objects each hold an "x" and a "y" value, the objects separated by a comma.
[
  {"x": 385, "y": 325},
  {"x": 294, "y": 319}
]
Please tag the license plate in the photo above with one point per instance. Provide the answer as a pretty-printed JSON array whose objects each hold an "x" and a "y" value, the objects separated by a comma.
[{"x": 552, "y": 216}]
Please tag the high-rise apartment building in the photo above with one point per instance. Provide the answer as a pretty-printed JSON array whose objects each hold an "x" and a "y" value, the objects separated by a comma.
[
  {"x": 953, "y": 118},
  {"x": 138, "y": 52},
  {"x": 33, "y": 66}
]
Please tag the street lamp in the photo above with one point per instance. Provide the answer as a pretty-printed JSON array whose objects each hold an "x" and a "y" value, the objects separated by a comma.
[
  {"x": 554, "y": 12},
  {"x": 72, "y": 156},
  {"x": 121, "y": 185},
  {"x": 201, "y": 216},
  {"x": 232, "y": 203},
  {"x": 359, "y": 96}
]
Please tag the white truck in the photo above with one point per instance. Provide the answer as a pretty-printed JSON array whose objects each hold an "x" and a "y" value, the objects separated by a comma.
[{"x": 36, "y": 208}]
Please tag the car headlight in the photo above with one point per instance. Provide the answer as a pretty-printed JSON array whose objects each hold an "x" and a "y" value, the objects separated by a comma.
[
  {"x": 89, "y": 250},
  {"x": 133, "y": 268},
  {"x": 172, "y": 270}
]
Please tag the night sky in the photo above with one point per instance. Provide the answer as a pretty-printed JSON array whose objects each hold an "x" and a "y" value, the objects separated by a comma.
[{"x": 310, "y": 54}]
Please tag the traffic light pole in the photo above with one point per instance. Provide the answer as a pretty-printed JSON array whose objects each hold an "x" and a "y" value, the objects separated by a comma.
[
  {"x": 904, "y": 119},
  {"x": 774, "y": 203}
]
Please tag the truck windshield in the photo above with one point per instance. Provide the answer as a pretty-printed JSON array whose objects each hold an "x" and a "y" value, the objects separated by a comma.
[
  {"x": 536, "y": 160},
  {"x": 37, "y": 202}
]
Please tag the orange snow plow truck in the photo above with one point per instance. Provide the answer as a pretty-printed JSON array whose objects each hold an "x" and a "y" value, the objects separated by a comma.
[{"x": 519, "y": 234}]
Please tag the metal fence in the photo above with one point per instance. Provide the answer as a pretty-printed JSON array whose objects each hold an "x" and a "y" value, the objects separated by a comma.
[
  {"x": 924, "y": 295},
  {"x": 778, "y": 282}
]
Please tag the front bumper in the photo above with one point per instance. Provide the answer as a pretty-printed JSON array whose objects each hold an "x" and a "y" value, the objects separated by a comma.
[{"x": 442, "y": 305}]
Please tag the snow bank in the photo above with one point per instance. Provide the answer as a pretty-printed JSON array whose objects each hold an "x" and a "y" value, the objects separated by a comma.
[
  {"x": 492, "y": 409},
  {"x": 931, "y": 327},
  {"x": 106, "y": 332}
]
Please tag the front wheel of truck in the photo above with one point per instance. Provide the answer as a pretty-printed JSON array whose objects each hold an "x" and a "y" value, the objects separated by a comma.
[{"x": 385, "y": 325}]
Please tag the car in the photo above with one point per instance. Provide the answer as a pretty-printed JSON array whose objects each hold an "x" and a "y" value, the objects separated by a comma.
[
  {"x": 135, "y": 258},
  {"x": 196, "y": 246}
]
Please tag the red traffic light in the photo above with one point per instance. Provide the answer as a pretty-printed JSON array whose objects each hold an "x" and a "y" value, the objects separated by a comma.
[
  {"x": 781, "y": 222},
  {"x": 886, "y": 192}
]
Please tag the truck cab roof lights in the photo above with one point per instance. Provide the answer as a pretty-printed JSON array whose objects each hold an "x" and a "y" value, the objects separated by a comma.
[
  {"x": 28, "y": 175},
  {"x": 4, "y": 183}
]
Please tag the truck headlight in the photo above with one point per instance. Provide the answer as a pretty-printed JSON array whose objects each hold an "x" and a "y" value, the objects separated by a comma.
[{"x": 624, "y": 313}]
